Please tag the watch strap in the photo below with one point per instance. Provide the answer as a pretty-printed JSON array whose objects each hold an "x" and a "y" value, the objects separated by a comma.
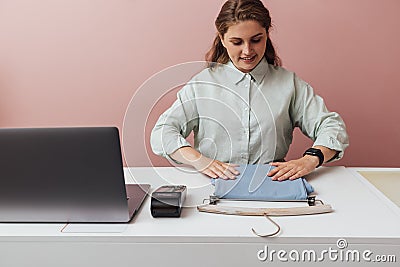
[{"x": 315, "y": 152}]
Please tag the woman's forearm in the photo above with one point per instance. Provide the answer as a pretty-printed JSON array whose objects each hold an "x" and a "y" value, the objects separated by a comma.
[
  {"x": 186, "y": 155},
  {"x": 328, "y": 153}
]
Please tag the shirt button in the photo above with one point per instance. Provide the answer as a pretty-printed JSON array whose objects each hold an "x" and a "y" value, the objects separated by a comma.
[{"x": 246, "y": 108}]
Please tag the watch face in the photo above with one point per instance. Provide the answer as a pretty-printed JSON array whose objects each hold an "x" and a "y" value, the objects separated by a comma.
[{"x": 314, "y": 150}]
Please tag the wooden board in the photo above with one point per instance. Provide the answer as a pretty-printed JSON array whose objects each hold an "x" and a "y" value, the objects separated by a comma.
[{"x": 246, "y": 211}]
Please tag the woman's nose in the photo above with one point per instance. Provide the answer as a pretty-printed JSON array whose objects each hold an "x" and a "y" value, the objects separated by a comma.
[{"x": 247, "y": 49}]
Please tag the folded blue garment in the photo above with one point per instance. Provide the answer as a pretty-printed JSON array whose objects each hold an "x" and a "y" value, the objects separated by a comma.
[{"x": 254, "y": 184}]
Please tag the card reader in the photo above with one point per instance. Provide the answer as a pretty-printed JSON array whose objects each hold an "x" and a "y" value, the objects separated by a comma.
[{"x": 167, "y": 201}]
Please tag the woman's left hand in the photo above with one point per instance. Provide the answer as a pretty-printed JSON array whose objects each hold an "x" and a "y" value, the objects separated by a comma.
[{"x": 293, "y": 169}]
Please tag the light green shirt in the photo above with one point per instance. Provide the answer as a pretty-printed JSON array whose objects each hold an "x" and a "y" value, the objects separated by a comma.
[{"x": 246, "y": 118}]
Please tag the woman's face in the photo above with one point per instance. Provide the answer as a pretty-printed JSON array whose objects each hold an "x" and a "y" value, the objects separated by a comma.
[{"x": 245, "y": 43}]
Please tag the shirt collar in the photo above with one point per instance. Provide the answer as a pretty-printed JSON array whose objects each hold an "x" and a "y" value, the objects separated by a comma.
[{"x": 258, "y": 73}]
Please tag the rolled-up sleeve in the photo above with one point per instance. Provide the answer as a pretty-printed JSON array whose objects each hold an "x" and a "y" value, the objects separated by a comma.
[
  {"x": 309, "y": 113},
  {"x": 175, "y": 124}
]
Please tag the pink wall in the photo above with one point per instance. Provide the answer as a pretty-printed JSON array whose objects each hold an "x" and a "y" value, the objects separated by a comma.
[{"x": 79, "y": 62}]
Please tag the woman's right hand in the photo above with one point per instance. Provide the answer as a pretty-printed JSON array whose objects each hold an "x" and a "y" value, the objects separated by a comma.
[
  {"x": 215, "y": 168},
  {"x": 210, "y": 167}
]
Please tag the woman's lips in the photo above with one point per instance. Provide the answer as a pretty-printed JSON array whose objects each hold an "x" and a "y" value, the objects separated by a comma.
[{"x": 248, "y": 59}]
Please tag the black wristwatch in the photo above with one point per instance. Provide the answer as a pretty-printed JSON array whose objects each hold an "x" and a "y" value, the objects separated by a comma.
[{"x": 315, "y": 152}]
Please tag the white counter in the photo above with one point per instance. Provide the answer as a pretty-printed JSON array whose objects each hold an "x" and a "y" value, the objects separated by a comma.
[{"x": 362, "y": 216}]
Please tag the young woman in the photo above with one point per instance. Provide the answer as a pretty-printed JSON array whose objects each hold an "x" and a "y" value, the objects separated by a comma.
[{"x": 244, "y": 107}]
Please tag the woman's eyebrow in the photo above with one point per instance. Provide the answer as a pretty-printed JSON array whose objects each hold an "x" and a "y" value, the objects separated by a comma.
[
  {"x": 238, "y": 38},
  {"x": 258, "y": 34}
]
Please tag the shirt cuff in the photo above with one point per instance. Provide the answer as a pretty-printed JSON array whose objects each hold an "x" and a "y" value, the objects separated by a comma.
[{"x": 331, "y": 143}]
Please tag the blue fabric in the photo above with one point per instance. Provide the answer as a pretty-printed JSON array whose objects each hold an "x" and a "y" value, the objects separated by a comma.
[{"x": 254, "y": 184}]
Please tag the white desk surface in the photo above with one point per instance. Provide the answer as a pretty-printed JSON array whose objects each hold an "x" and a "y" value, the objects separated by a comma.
[
  {"x": 363, "y": 216},
  {"x": 360, "y": 211}
]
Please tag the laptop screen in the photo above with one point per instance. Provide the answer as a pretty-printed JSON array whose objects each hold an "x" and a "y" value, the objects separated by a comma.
[{"x": 62, "y": 174}]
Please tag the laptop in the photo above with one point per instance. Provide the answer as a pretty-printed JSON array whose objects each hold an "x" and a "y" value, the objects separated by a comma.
[{"x": 71, "y": 174}]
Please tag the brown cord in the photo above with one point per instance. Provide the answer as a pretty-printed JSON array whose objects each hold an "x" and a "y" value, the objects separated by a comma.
[{"x": 271, "y": 234}]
